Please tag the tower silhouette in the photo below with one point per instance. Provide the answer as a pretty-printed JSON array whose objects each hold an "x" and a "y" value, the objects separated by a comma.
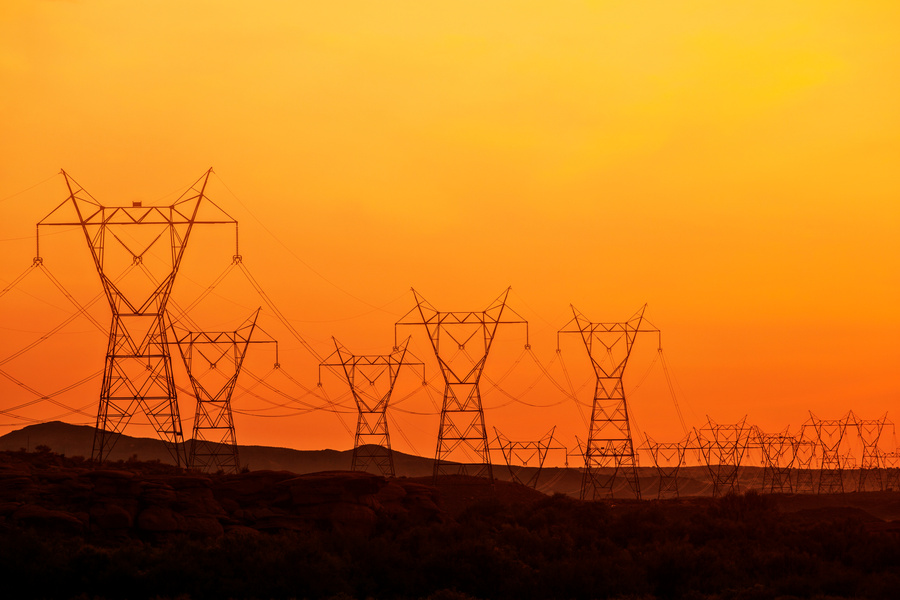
[
  {"x": 462, "y": 446},
  {"x": 371, "y": 378},
  {"x": 220, "y": 354},
  {"x": 137, "y": 373},
  {"x": 829, "y": 435},
  {"x": 609, "y": 452}
]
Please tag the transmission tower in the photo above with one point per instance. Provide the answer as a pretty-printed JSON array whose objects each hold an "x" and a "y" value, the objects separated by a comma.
[
  {"x": 891, "y": 462},
  {"x": 723, "y": 448},
  {"x": 870, "y": 467},
  {"x": 519, "y": 456},
  {"x": 668, "y": 458},
  {"x": 371, "y": 379},
  {"x": 137, "y": 371},
  {"x": 778, "y": 453},
  {"x": 609, "y": 452},
  {"x": 462, "y": 435},
  {"x": 829, "y": 434},
  {"x": 215, "y": 356},
  {"x": 805, "y": 453}
]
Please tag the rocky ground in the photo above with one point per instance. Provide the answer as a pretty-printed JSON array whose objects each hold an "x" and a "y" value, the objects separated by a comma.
[
  {"x": 152, "y": 531},
  {"x": 151, "y": 501}
]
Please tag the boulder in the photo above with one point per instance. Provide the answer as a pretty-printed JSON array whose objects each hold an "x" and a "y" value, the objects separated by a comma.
[
  {"x": 158, "y": 519},
  {"x": 353, "y": 518},
  {"x": 241, "y": 531},
  {"x": 334, "y": 486},
  {"x": 106, "y": 517},
  {"x": 33, "y": 515},
  {"x": 158, "y": 494},
  {"x": 202, "y": 526},
  {"x": 250, "y": 488},
  {"x": 15, "y": 487}
]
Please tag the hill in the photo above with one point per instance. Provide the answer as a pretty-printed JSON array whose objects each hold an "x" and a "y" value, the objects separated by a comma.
[
  {"x": 77, "y": 440},
  {"x": 151, "y": 531}
]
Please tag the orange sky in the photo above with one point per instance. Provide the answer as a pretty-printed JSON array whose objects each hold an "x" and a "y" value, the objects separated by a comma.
[{"x": 731, "y": 164}]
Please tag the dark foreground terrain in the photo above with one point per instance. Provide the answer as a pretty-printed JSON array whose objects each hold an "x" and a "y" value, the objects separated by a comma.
[{"x": 147, "y": 530}]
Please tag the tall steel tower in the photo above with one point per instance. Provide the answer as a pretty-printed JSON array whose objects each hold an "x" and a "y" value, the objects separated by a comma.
[
  {"x": 520, "y": 456},
  {"x": 218, "y": 355},
  {"x": 137, "y": 372},
  {"x": 371, "y": 379},
  {"x": 462, "y": 435},
  {"x": 830, "y": 434},
  {"x": 723, "y": 448},
  {"x": 668, "y": 457},
  {"x": 870, "y": 467},
  {"x": 778, "y": 454},
  {"x": 609, "y": 453}
]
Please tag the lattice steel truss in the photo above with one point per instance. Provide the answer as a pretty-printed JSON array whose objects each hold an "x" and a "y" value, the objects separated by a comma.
[
  {"x": 723, "y": 448},
  {"x": 371, "y": 379},
  {"x": 829, "y": 435},
  {"x": 870, "y": 467},
  {"x": 138, "y": 366},
  {"x": 462, "y": 446},
  {"x": 805, "y": 455},
  {"x": 778, "y": 453},
  {"x": 215, "y": 358},
  {"x": 891, "y": 462},
  {"x": 609, "y": 451},
  {"x": 521, "y": 456},
  {"x": 668, "y": 458}
]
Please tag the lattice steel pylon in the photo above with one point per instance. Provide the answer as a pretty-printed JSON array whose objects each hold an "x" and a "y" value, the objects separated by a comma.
[
  {"x": 520, "y": 455},
  {"x": 371, "y": 378},
  {"x": 779, "y": 454},
  {"x": 829, "y": 435},
  {"x": 891, "y": 463},
  {"x": 213, "y": 445},
  {"x": 609, "y": 445},
  {"x": 462, "y": 434},
  {"x": 723, "y": 448},
  {"x": 870, "y": 467},
  {"x": 668, "y": 458},
  {"x": 137, "y": 371},
  {"x": 805, "y": 453}
]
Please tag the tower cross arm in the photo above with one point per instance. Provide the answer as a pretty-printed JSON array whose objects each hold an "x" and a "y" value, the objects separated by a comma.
[
  {"x": 86, "y": 212},
  {"x": 496, "y": 314},
  {"x": 342, "y": 358},
  {"x": 581, "y": 325}
]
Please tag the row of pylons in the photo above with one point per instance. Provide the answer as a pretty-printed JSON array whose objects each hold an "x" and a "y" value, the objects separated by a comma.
[{"x": 138, "y": 375}]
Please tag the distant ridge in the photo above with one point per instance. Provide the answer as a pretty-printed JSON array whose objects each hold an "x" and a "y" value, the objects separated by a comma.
[{"x": 77, "y": 440}]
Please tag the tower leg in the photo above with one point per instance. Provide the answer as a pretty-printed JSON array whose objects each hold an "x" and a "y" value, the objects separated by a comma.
[
  {"x": 609, "y": 456},
  {"x": 462, "y": 434},
  {"x": 138, "y": 373}
]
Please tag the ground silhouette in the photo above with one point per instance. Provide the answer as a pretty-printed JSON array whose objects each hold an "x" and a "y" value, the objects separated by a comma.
[{"x": 144, "y": 529}]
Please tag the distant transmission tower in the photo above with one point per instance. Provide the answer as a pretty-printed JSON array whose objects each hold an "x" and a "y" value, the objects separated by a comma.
[
  {"x": 668, "y": 458},
  {"x": 221, "y": 353},
  {"x": 520, "y": 456},
  {"x": 778, "y": 452},
  {"x": 609, "y": 452},
  {"x": 371, "y": 379},
  {"x": 891, "y": 462},
  {"x": 805, "y": 461},
  {"x": 723, "y": 448},
  {"x": 462, "y": 436},
  {"x": 870, "y": 467},
  {"x": 830, "y": 434},
  {"x": 137, "y": 373}
]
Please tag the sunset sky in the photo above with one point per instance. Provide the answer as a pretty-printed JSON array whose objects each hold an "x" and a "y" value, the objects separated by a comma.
[{"x": 733, "y": 165}]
